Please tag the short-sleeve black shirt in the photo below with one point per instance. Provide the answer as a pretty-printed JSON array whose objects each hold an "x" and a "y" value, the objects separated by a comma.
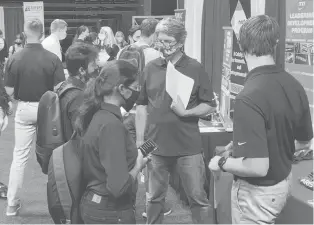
[
  {"x": 271, "y": 112},
  {"x": 33, "y": 71},
  {"x": 175, "y": 136}
]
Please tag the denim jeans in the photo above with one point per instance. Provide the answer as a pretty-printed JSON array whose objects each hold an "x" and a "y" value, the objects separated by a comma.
[
  {"x": 25, "y": 130},
  {"x": 192, "y": 173},
  {"x": 251, "y": 204},
  {"x": 100, "y": 211}
]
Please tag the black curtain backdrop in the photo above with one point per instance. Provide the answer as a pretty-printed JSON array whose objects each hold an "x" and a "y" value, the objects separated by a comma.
[
  {"x": 277, "y": 9},
  {"x": 216, "y": 15},
  {"x": 13, "y": 23}
]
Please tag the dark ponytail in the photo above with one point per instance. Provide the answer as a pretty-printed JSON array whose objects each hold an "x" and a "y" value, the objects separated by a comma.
[{"x": 93, "y": 97}]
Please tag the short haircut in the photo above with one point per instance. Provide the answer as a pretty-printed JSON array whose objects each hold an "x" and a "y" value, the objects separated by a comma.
[
  {"x": 34, "y": 26},
  {"x": 259, "y": 35},
  {"x": 148, "y": 27},
  {"x": 79, "y": 55},
  {"x": 58, "y": 24},
  {"x": 133, "y": 29},
  {"x": 173, "y": 28}
]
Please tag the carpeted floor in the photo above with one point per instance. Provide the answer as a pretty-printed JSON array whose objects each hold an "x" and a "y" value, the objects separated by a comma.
[{"x": 34, "y": 204}]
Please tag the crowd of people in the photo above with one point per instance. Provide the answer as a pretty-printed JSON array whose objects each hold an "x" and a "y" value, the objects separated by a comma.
[{"x": 116, "y": 106}]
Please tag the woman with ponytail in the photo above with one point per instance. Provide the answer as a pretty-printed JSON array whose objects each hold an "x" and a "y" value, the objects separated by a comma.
[
  {"x": 111, "y": 161},
  {"x": 82, "y": 33}
]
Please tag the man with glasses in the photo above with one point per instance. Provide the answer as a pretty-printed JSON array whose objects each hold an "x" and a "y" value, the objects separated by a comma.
[{"x": 174, "y": 128}]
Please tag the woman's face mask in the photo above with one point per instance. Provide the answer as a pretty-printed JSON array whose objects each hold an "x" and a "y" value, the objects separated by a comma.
[
  {"x": 102, "y": 36},
  {"x": 119, "y": 39}
]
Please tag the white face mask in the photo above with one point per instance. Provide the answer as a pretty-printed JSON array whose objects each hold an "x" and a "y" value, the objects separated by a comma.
[{"x": 101, "y": 37}]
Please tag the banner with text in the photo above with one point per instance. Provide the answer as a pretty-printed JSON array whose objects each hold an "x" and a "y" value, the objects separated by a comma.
[
  {"x": 299, "y": 43},
  {"x": 34, "y": 10}
]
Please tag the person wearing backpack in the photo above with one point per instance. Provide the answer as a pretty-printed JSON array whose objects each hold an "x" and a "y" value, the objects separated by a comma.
[
  {"x": 111, "y": 160},
  {"x": 65, "y": 183},
  {"x": 30, "y": 73},
  {"x": 144, "y": 43},
  {"x": 81, "y": 64}
]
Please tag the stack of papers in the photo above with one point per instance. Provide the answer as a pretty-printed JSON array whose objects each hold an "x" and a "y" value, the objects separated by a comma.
[{"x": 178, "y": 85}]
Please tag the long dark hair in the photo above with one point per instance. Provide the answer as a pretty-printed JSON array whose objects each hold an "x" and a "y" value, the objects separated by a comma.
[
  {"x": 79, "y": 31},
  {"x": 114, "y": 73}
]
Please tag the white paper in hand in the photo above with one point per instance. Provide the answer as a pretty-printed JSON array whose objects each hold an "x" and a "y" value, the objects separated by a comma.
[{"x": 178, "y": 84}]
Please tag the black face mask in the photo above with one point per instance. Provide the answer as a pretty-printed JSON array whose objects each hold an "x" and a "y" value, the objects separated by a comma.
[{"x": 129, "y": 103}]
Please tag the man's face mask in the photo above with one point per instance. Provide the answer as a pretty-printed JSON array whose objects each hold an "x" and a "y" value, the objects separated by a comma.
[
  {"x": 168, "y": 48},
  {"x": 131, "y": 99}
]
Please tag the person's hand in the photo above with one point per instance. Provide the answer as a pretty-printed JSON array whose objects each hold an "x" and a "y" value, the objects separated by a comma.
[
  {"x": 229, "y": 147},
  {"x": 141, "y": 161},
  {"x": 178, "y": 107},
  {"x": 213, "y": 164},
  {"x": 139, "y": 143}
]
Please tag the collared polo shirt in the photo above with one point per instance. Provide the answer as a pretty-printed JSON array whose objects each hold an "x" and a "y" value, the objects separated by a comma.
[
  {"x": 271, "y": 112},
  {"x": 175, "y": 136},
  {"x": 33, "y": 71},
  {"x": 109, "y": 154}
]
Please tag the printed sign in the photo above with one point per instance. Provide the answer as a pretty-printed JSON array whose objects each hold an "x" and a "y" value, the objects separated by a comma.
[
  {"x": 180, "y": 15},
  {"x": 34, "y": 10},
  {"x": 238, "y": 19},
  {"x": 299, "y": 44}
]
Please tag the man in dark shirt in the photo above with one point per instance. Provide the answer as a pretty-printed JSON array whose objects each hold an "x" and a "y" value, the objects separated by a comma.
[
  {"x": 174, "y": 128},
  {"x": 81, "y": 64},
  {"x": 30, "y": 73},
  {"x": 271, "y": 112}
]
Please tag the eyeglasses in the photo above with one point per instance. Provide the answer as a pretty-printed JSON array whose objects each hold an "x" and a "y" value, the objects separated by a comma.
[{"x": 166, "y": 43}]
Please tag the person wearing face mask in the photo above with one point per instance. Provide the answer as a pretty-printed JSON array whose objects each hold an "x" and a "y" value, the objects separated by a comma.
[
  {"x": 51, "y": 43},
  {"x": 134, "y": 34},
  {"x": 120, "y": 38},
  {"x": 18, "y": 44},
  {"x": 107, "y": 44},
  {"x": 81, "y": 64},
  {"x": 111, "y": 160},
  {"x": 174, "y": 128},
  {"x": 82, "y": 33}
]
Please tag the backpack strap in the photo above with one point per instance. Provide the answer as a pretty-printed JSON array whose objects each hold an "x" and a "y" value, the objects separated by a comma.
[
  {"x": 61, "y": 183},
  {"x": 65, "y": 87}
]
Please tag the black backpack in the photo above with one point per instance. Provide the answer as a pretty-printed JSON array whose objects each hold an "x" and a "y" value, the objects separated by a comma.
[
  {"x": 65, "y": 185},
  {"x": 49, "y": 125}
]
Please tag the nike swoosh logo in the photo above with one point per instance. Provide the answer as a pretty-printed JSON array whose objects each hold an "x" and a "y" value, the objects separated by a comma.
[{"x": 241, "y": 143}]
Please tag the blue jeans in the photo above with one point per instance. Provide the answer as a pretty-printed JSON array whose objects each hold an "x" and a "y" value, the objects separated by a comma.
[
  {"x": 252, "y": 204},
  {"x": 192, "y": 173}
]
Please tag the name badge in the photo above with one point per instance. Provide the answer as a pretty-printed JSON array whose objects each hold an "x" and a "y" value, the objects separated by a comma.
[{"x": 96, "y": 199}]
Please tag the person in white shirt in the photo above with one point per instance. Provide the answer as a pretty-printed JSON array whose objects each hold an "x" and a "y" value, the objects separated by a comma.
[{"x": 58, "y": 30}]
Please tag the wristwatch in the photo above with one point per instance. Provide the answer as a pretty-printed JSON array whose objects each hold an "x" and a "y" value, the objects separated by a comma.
[{"x": 222, "y": 162}]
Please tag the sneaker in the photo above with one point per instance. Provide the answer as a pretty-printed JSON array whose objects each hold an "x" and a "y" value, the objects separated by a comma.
[
  {"x": 13, "y": 210},
  {"x": 168, "y": 212}
]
